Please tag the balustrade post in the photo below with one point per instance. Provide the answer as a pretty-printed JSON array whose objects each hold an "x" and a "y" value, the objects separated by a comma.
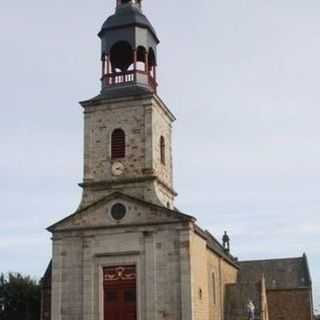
[
  {"x": 103, "y": 59},
  {"x": 155, "y": 73},
  {"x": 135, "y": 64},
  {"x": 146, "y": 62},
  {"x": 155, "y": 78},
  {"x": 109, "y": 76}
]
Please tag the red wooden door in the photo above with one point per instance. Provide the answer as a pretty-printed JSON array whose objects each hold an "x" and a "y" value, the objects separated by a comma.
[{"x": 120, "y": 301}]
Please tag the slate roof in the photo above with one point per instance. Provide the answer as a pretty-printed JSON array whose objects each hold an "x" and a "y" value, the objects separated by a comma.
[
  {"x": 121, "y": 92},
  {"x": 278, "y": 274},
  {"x": 289, "y": 273},
  {"x": 128, "y": 16},
  {"x": 46, "y": 279}
]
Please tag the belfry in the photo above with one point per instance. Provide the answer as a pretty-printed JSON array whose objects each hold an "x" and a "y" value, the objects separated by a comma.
[
  {"x": 127, "y": 252},
  {"x": 128, "y": 127},
  {"x": 129, "y": 46}
]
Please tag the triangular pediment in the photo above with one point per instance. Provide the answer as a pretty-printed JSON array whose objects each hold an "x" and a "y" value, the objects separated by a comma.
[{"x": 138, "y": 212}]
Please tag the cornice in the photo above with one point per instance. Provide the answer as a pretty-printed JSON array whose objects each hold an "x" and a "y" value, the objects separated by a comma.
[
  {"x": 108, "y": 184},
  {"x": 101, "y": 100}
]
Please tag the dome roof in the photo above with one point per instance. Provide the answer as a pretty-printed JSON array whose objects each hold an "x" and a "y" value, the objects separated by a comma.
[{"x": 128, "y": 16}]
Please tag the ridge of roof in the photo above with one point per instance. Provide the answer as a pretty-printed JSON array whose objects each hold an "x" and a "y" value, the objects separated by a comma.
[{"x": 270, "y": 260}]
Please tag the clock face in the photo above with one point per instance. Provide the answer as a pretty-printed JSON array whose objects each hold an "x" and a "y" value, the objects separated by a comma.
[{"x": 117, "y": 169}]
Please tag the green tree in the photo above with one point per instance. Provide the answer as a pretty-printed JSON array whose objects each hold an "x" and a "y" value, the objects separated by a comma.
[{"x": 20, "y": 297}]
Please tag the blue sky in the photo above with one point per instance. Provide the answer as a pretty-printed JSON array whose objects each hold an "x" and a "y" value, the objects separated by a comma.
[{"x": 242, "y": 77}]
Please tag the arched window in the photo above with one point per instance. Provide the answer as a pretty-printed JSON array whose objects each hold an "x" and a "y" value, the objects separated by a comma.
[
  {"x": 118, "y": 144},
  {"x": 162, "y": 150},
  {"x": 214, "y": 298}
]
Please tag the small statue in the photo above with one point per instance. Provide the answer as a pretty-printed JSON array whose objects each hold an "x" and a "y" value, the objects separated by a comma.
[
  {"x": 226, "y": 242},
  {"x": 251, "y": 308}
]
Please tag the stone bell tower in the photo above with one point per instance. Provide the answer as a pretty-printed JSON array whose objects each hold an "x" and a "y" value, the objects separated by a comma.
[
  {"x": 127, "y": 126},
  {"x": 126, "y": 253}
]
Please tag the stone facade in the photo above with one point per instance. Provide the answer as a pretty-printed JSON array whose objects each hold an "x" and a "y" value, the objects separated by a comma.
[
  {"x": 128, "y": 219},
  {"x": 144, "y": 120},
  {"x": 172, "y": 259},
  {"x": 183, "y": 272},
  {"x": 210, "y": 273}
]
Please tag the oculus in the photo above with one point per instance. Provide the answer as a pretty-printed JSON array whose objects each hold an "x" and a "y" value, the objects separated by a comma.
[{"x": 118, "y": 211}]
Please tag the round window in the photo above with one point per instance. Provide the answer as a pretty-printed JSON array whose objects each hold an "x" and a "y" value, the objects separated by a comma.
[{"x": 118, "y": 211}]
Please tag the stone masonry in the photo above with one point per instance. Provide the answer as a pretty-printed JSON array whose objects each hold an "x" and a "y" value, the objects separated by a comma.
[
  {"x": 174, "y": 262},
  {"x": 144, "y": 120},
  {"x": 127, "y": 219}
]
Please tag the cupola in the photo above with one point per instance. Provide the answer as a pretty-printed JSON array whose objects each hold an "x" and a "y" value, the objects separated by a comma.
[{"x": 129, "y": 49}]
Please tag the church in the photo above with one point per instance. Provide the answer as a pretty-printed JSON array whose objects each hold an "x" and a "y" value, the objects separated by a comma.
[{"x": 127, "y": 252}]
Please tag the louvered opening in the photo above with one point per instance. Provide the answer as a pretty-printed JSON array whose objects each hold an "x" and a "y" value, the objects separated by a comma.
[{"x": 118, "y": 144}]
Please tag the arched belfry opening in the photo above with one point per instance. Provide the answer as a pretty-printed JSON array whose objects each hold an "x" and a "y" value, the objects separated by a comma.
[
  {"x": 121, "y": 56},
  {"x": 142, "y": 59},
  {"x": 129, "y": 49}
]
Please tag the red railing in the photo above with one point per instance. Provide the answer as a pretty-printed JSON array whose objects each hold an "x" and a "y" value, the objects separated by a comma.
[
  {"x": 127, "y": 77},
  {"x": 120, "y": 77},
  {"x": 153, "y": 83}
]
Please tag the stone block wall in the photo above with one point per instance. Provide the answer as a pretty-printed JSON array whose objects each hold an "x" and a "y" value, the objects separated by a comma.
[
  {"x": 290, "y": 304},
  {"x": 238, "y": 296},
  {"x": 162, "y": 127},
  {"x": 100, "y": 122},
  {"x": 215, "y": 285},
  {"x": 163, "y": 268},
  {"x": 67, "y": 281},
  {"x": 210, "y": 274},
  {"x": 144, "y": 120},
  {"x": 199, "y": 278},
  {"x": 229, "y": 275}
]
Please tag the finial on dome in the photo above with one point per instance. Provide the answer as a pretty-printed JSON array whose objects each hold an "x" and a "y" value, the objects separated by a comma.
[{"x": 132, "y": 2}]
